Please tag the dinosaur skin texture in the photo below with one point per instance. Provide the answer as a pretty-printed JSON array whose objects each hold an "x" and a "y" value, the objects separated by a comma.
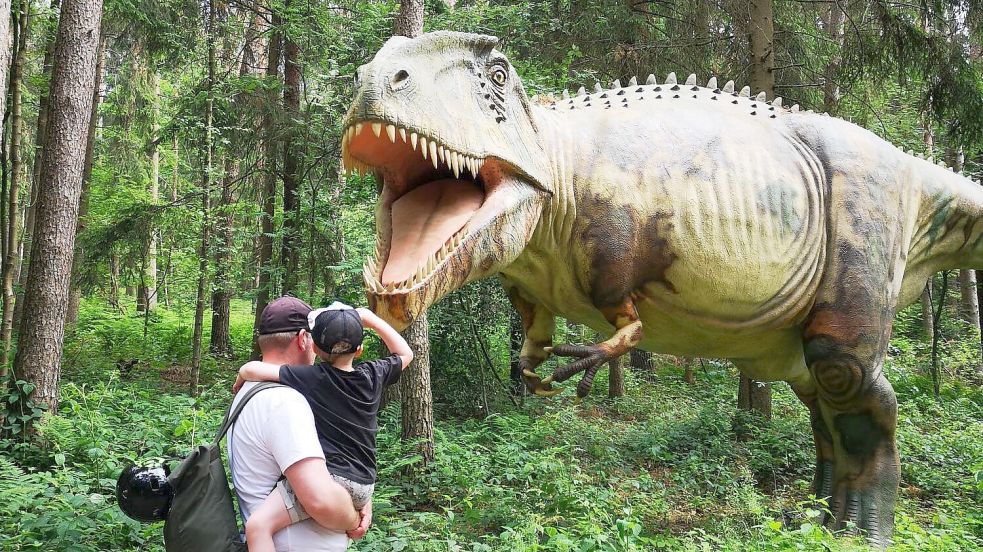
[{"x": 678, "y": 218}]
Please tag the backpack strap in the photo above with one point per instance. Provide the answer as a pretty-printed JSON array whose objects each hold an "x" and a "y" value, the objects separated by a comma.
[{"x": 231, "y": 415}]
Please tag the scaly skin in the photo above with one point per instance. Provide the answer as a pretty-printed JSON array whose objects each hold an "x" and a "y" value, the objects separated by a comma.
[{"x": 680, "y": 219}]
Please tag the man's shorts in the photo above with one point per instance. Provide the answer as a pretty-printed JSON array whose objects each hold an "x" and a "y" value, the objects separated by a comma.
[{"x": 360, "y": 493}]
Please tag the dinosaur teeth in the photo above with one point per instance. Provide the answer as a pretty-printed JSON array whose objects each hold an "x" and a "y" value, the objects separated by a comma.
[
  {"x": 423, "y": 147},
  {"x": 691, "y": 80},
  {"x": 433, "y": 154},
  {"x": 358, "y": 128},
  {"x": 746, "y": 92},
  {"x": 413, "y": 140},
  {"x": 377, "y": 129},
  {"x": 402, "y": 134},
  {"x": 391, "y": 133}
]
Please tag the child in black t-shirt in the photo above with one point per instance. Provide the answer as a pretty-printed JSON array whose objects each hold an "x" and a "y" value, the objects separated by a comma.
[{"x": 344, "y": 398}]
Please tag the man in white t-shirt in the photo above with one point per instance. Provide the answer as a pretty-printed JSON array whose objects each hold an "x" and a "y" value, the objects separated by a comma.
[{"x": 275, "y": 435}]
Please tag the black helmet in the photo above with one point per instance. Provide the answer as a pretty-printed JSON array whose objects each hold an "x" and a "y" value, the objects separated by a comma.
[{"x": 143, "y": 493}]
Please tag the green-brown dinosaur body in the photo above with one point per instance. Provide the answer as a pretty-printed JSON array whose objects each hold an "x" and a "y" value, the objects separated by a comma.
[{"x": 678, "y": 218}]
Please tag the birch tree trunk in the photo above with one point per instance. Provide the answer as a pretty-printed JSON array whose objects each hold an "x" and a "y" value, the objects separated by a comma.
[
  {"x": 753, "y": 395},
  {"x": 42, "y": 329}
]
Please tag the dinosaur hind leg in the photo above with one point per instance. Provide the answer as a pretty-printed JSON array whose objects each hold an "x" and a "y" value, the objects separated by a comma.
[{"x": 822, "y": 483}]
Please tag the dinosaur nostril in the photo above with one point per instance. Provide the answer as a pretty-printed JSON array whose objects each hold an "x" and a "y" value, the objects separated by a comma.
[{"x": 399, "y": 78}]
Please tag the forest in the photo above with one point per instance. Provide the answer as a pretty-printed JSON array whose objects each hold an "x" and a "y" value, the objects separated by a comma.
[{"x": 169, "y": 167}]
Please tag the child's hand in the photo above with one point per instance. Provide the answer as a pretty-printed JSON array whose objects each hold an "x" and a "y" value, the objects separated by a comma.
[
  {"x": 369, "y": 319},
  {"x": 238, "y": 384}
]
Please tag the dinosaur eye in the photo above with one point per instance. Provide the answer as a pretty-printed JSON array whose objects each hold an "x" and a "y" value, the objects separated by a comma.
[{"x": 499, "y": 76}]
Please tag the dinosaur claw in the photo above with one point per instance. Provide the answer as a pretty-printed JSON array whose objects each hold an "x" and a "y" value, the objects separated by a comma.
[
  {"x": 543, "y": 392},
  {"x": 530, "y": 374},
  {"x": 547, "y": 381},
  {"x": 577, "y": 400},
  {"x": 549, "y": 350}
]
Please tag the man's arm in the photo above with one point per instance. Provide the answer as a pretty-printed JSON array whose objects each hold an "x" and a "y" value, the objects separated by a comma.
[
  {"x": 328, "y": 503},
  {"x": 395, "y": 342},
  {"x": 259, "y": 371}
]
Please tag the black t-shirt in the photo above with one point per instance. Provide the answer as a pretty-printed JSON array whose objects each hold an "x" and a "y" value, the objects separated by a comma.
[{"x": 345, "y": 407}]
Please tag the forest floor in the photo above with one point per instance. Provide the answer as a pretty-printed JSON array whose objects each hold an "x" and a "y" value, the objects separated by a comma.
[{"x": 659, "y": 469}]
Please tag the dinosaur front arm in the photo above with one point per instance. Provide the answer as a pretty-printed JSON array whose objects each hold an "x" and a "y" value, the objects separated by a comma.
[{"x": 628, "y": 333}]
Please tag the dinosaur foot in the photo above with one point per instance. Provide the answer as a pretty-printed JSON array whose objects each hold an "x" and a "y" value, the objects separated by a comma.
[{"x": 858, "y": 511}]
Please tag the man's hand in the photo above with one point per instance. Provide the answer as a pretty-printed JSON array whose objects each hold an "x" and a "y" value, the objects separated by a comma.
[
  {"x": 238, "y": 384},
  {"x": 364, "y": 522}
]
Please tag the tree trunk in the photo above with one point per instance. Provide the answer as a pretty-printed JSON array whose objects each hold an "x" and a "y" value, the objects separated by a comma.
[
  {"x": 290, "y": 250},
  {"x": 516, "y": 337},
  {"x": 616, "y": 377},
  {"x": 206, "y": 192},
  {"x": 417, "y": 396},
  {"x": 75, "y": 294},
  {"x": 642, "y": 360},
  {"x": 752, "y": 395},
  {"x": 268, "y": 198},
  {"x": 113, "y": 299},
  {"x": 18, "y": 173},
  {"x": 221, "y": 343},
  {"x": 833, "y": 24},
  {"x": 39, "y": 136},
  {"x": 147, "y": 295},
  {"x": 73, "y": 82}
]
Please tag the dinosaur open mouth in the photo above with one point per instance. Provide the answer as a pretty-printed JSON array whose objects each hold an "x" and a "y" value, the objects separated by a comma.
[{"x": 433, "y": 199}]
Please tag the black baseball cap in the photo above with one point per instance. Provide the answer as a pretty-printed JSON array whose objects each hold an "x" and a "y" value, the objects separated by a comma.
[
  {"x": 336, "y": 329},
  {"x": 286, "y": 314}
]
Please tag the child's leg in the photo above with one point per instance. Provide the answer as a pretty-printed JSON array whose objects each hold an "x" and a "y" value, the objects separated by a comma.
[{"x": 270, "y": 517}]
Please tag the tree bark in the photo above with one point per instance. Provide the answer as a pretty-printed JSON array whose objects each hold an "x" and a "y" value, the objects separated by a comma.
[
  {"x": 833, "y": 23},
  {"x": 516, "y": 338},
  {"x": 18, "y": 173},
  {"x": 206, "y": 193},
  {"x": 221, "y": 343},
  {"x": 616, "y": 377},
  {"x": 751, "y": 395},
  {"x": 417, "y": 400},
  {"x": 268, "y": 195},
  {"x": 417, "y": 397},
  {"x": 39, "y": 349},
  {"x": 290, "y": 250},
  {"x": 147, "y": 294},
  {"x": 75, "y": 294},
  {"x": 642, "y": 360}
]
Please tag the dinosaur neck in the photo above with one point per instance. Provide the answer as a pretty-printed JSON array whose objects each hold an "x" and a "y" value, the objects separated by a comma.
[{"x": 559, "y": 139}]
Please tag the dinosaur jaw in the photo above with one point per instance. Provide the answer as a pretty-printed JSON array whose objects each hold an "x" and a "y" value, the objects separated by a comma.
[{"x": 441, "y": 217}]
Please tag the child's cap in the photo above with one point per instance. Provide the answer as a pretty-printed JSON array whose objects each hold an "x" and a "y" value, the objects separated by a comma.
[{"x": 336, "y": 329}]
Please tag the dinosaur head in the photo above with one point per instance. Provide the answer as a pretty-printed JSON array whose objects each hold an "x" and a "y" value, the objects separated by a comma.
[{"x": 444, "y": 124}]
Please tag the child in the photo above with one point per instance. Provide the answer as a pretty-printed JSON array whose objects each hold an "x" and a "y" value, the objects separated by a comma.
[{"x": 345, "y": 401}]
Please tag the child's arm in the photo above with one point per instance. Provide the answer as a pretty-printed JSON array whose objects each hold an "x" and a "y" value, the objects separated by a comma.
[
  {"x": 260, "y": 371},
  {"x": 395, "y": 342}
]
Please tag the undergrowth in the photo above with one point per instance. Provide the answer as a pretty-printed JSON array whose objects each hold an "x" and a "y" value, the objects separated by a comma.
[{"x": 659, "y": 469}]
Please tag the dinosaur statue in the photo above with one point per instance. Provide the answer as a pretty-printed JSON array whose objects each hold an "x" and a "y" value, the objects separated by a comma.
[{"x": 678, "y": 218}]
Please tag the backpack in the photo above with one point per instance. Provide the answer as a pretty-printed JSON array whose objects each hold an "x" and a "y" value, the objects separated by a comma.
[{"x": 201, "y": 517}]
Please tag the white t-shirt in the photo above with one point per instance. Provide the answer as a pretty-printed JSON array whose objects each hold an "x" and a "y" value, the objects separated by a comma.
[{"x": 274, "y": 431}]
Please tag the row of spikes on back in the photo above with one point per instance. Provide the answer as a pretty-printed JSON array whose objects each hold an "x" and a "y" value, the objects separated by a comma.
[{"x": 728, "y": 88}]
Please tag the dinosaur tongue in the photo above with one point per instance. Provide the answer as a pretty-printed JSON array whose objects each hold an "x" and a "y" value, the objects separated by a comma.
[{"x": 423, "y": 220}]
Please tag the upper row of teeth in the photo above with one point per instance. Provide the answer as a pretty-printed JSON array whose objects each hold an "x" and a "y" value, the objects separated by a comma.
[{"x": 456, "y": 161}]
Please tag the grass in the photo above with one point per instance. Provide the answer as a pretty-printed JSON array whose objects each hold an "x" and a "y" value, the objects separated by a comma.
[{"x": 659, "y": 469}]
